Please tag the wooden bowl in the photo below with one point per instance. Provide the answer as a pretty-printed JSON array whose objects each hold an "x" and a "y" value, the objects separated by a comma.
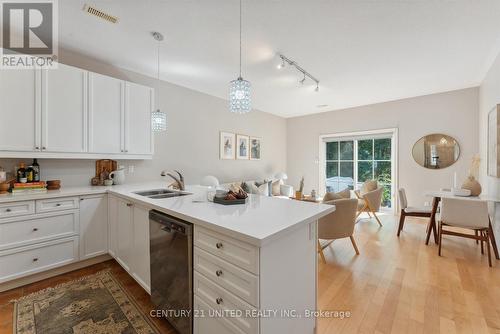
[
  {"x": 4, "y": 187},
  {"x": 54, "y": 183}
]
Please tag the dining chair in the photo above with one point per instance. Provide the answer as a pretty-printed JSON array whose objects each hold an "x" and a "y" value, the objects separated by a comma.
[
  {"x": 338, "y": 224},
  {"x": 467, "y": 214},
  {"x": 369, "y": 201},
  {"x": 410, "y": 211}
]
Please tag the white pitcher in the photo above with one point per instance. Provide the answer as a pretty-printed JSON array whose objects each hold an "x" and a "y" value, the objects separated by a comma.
[{"x": 118, "y": 176}]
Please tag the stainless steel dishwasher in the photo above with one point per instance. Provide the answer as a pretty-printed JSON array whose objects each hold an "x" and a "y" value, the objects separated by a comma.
[{"x": 171, "y": 253}]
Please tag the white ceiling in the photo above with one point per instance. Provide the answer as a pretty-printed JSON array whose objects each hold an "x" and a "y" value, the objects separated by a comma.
[{"x": 363, "y": 52}]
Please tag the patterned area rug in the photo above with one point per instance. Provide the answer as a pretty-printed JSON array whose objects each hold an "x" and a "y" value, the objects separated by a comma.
[{"x": 94, "y": 304}]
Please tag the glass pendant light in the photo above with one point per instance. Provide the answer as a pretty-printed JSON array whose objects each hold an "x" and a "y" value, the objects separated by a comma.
[
  {"x": 158, "y": 117},
  {"x": 239, "y": 90}
]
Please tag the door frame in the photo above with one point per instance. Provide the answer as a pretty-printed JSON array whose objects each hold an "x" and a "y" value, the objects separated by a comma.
[{"x": 394, "y": 158}]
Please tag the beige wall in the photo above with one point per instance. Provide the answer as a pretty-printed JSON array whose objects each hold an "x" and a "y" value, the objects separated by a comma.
[
  {"x": 453, "y": 113},
  {"x": 191, "y": 143},
  {"x": 489, "y": 96}
]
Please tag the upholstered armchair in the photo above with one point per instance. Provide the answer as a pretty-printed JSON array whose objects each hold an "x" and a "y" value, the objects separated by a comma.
[
  {"x": 338, "y": 224},
  {"x": 370, "y": 200}
]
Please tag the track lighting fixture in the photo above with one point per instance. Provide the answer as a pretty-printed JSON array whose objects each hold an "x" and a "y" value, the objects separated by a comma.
[
  {"x": 285, "y": 60},
  {"x": 303, "y": 80},
  {"x": 281, "y": 65}
]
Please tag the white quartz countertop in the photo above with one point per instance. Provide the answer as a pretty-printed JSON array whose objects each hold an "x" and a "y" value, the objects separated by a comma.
[{"x": 259, "y": 221}]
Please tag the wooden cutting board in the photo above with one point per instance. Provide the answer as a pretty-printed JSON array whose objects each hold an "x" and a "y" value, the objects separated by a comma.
[{"x": 105, "y": 165}]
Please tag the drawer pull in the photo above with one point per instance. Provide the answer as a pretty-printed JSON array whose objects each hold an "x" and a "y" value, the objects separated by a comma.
[
  {"x": 58, "y": 204},
  {"x": 129, "y": 204},
  {"x": 219, "y": 301},
  {"x": 35, "y": 259},
  {"x": 218, "y": 273},
  {"x": 8, "y": 210},
  {"x": 35, "y": 229},
  {"x": 219, "y": 245}
]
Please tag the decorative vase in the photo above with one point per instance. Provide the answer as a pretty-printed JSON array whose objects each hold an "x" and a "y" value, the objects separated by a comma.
[{"x": 472, "y": 185}]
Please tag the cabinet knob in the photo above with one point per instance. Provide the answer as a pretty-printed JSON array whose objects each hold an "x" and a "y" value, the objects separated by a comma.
[
  {"x": 126, "y": 151},
  {"x": 37, "y": 147},
  {"x": 35, "y": 229},
  {"x": 219, "y": 245},
  {"x": 35, "y": 259},
  {"x": 218, "y": 273},
  {"x": 219, "y": 301},
  {"x": 129, "y": 204},
  {"x": 58, "y": 204},
  {"x": 8, "y": 210},
  {"x": 44, "y": 148}
]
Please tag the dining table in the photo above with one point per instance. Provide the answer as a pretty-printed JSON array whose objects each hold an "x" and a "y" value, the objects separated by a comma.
[{"x": 437, "y": 195}]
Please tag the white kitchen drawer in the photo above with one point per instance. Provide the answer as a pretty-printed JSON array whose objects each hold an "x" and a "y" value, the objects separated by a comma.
[
  {"x": 238, "y": 281},
  {"x": 20, "y": 231},
  {"x": 205, "y": 323},
  {"x": 56, "y": 204},
  {"x": 14, "y": 209},
  {"x": 19, "y": 262},
  {"x": 220, "y": 299},
  {"x": 236, "y": 252}
]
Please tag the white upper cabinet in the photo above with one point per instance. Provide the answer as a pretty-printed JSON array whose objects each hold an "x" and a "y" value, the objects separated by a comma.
[
  {"x": 64, "y": 109},
  {"x": 20, "y": 110},
  {"x": 106, "y": 114},
  {"x": 72, "y": 113},
  {"x": 138, "y": 107}
]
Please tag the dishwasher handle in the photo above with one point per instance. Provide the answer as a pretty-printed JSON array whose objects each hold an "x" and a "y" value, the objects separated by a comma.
[{"x": 170, "y": 223}]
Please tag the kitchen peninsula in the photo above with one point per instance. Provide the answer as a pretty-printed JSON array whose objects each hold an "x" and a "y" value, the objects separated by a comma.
[{"x": 256, "y": 259}]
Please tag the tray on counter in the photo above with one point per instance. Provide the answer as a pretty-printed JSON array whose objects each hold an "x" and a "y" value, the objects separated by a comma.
[{"x": 229, "y": 202}]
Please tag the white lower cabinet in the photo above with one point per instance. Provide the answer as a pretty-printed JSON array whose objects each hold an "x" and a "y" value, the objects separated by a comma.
[
  {"x": 23, "y": 261},
  {"x": 93, "y": 226},
  {"x": 206, "y": 323},
  {"x": 124, "y": 234},
  {"x": 129, "y": 238},
  {"x": 140, "y": 262}
]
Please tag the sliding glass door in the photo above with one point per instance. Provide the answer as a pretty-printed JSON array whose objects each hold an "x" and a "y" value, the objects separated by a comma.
[{"x": 350, "y": 161}]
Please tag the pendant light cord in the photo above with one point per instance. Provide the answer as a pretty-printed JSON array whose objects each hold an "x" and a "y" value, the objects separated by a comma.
[
  {"x": 158, "y": 76},
  {"x": 240, "y": 38}
]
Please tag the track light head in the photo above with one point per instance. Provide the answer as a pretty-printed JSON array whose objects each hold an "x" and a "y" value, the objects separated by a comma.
[
  {"x": 281, "y": 65},
  {"x": 303, "y": 80}
]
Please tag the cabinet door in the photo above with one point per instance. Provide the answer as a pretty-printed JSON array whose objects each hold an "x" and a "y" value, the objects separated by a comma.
[
  {"x": 125, "y": 234},
  {"x": 140, "y": 264},
  {"x": 64, "y": 109},
  {"x": 112, "y": 226},
  {"x": 106, "y": 96},
  {"x": 20, "y": 110},
  {"x": 93, "y": 226},
  {"x": 138, "y": 108}
]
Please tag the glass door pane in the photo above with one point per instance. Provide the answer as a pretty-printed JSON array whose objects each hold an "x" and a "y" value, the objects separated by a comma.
[{"x": 346, "y": 179}]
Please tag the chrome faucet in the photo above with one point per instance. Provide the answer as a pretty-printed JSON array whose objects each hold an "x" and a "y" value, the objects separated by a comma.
[{"x": 178, "y": 180}]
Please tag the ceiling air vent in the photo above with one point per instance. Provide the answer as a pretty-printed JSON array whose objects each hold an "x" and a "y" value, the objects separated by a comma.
[{"x": 100, "y": 14}]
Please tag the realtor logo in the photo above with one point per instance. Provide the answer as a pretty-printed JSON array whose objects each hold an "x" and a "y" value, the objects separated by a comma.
[{"x": 29, "y": 34}]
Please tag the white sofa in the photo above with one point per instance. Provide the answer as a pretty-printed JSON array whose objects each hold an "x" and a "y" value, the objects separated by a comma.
[{"x": 286, "y": 191}]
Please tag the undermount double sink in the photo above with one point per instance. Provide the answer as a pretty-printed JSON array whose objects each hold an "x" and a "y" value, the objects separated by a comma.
[{"x": 161, "y": 193}]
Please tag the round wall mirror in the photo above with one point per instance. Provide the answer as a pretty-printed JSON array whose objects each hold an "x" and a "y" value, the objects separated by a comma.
[{"x": 436, "y": 151}]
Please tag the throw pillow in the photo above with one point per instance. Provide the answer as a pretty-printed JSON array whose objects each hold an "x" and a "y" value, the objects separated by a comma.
[
  {"x": 276, "y": 187},
  {"x": 331, "y": 197},
  {"x": 346, "y": 193},
  {"x": 245, "y": 187},
  {"x": 368, "y": 186},
  {"x": 268, "y": 184}
]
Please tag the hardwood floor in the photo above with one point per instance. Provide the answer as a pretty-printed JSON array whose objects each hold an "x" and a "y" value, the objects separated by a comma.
[
  {"x": 396, "y": 285},
  {"x": 134, "y": 289},
  {"x": 399, "y": 285}
]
